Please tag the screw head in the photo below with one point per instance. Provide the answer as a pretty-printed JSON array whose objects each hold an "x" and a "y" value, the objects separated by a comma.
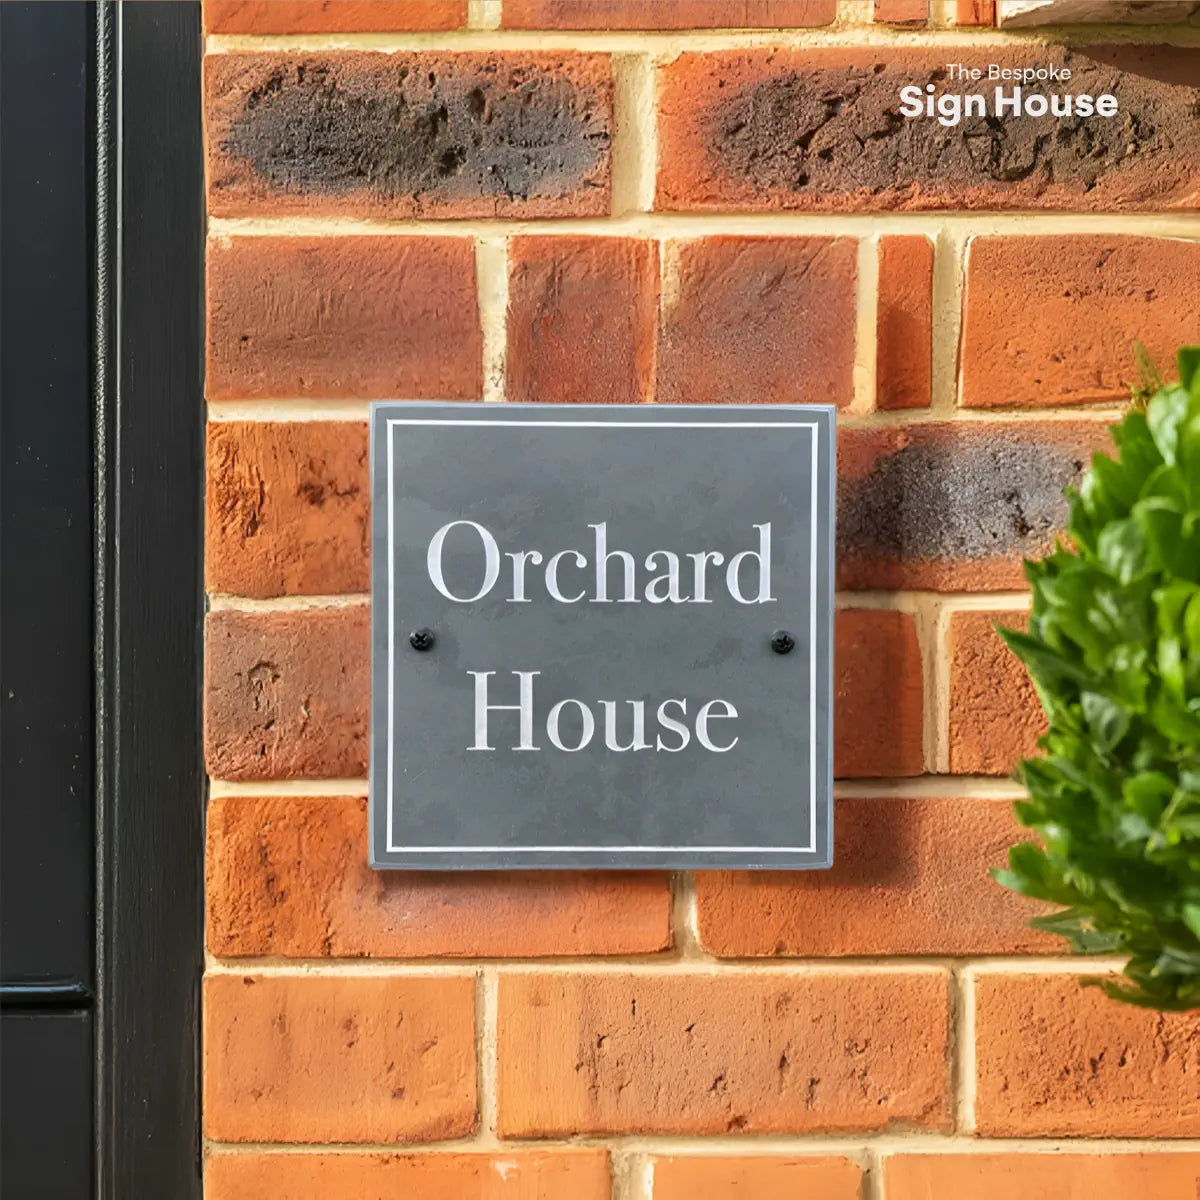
[
  {"x": 782, "y": 642},
  {"x": 421, "y": 639}
]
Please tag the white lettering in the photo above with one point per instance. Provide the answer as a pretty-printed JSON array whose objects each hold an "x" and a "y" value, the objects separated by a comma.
[
  {"x": 491, "y": 571},
  {"x": 671, "y": 578},
  {"x": 638, "y": 742},
  {"x": 482, "y": 708},
  {"x": 910, "y": 101},
  {"x": 673, "y": 726},
  {"x": 1010, "y": 103},
  {"x": 763, "y": 556},
  {"x": 519, "y": 558},
  {"x": 552, "y": 577},
  {"x": 704, "y": 716},
  {"x": 589, "y": 725},
  {"x": 700, "y": 561},
  {"x": 603, "y": 555}
]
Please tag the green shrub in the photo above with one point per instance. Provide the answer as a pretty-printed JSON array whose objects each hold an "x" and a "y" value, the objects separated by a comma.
[{"x": 1114, "y": 650}]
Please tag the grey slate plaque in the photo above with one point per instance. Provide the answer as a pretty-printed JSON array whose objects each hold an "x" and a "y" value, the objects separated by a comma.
[{"x": 565, "y": 715}]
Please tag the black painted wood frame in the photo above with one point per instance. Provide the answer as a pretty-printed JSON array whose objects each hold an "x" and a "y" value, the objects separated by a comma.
[{"x": 149, "y": 596}]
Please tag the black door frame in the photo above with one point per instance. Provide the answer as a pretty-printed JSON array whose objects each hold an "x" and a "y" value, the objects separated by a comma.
[
  {"x": 108, "y": 220},
  {"x": 150, "y": 223}
]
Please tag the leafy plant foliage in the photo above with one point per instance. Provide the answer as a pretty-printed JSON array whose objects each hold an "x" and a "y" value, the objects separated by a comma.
[{"x": 1114, "y": 650}]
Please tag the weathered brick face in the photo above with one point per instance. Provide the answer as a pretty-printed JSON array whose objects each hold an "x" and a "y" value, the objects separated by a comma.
[
  {"x": 1049, "y": 321},
  {"x": 954, "y": 506},
  {"x": 592, "y": 1053},
  {"x": 821, "y": 129},
  {"x": 409, "y": 134},
  {"x": 748, "y": 320},
  {"x": 674, "y": 201}
]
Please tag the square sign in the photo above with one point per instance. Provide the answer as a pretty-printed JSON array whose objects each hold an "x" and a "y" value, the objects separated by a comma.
[{"x": 601, "y": 635}]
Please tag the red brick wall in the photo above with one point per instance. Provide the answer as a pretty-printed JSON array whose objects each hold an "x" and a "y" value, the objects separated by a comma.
[{"x": 643, "y": 210}]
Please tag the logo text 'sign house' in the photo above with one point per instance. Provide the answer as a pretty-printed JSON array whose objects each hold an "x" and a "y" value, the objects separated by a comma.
[{"x": 951, "y": 108}]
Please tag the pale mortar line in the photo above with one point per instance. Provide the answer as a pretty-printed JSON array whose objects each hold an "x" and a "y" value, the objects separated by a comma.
[
  {"x": 958, "y": 787},
  {"x": 284, "y": 409},
  {"x": 487, "y": 1017},
  {"x": 871, "y": 1184},
  {"x": 635, "y": 135},
  {"x": 931, "y": 787},
  {"x": 685, "y": 918},
  {"x": 925, "y": 617},
  {"x": 1103, "y": 412},
  {"x": 984, "y": 601},
  {"x": 866, "y": 327},
  {"x": 649, "y": 965},
  {"x": 940, "y": 712},
  {"x": 632, "y": 1175},
  {"x": 964, "y": 1080},
  {"x": 1180, "y": 226},
  {"x": 483, "y": 14},
  {"x": 909, "y": 600},
  {"x": 301, "y": 788},
  {"x": 219, "y": 602},
  {"x": 949, "y": 278},
  {"x": 915, "y": 603},
  {"x": 704, "y": 1145},
  {"x": 491, "y": 278},
  {"x": 974, "y": 966},
  {"x": 942, "y": 14},
  {"x": 666, "y": 966},
  {"x": 846, "y": 34}
]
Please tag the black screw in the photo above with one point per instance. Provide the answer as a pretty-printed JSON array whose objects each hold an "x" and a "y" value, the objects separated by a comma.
[
  {"x": 782, "y": 642},
  {"x": 421, "y": 639}
]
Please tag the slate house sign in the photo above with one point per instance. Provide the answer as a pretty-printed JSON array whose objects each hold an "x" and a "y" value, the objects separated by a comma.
[{"x": 601, "y": 635}]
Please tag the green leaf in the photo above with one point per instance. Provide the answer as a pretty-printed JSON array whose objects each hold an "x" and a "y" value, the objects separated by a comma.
[
  {"x": 1188, "y": 363},
  {"x": 1125, "y": 549},
  {"x": 1074, "y": 924},
  {"x": 1167, "y": 411},
  {"x": 1107, "y": 720},
  {"x": 1113, "y": 648},
  {"x": 1191, "y": 917}
]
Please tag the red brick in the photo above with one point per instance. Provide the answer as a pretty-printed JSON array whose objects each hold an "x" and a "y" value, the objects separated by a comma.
[
  {"x": 769, "y": 128},
  {"x": 955, "y": 506},
  {"x": 895, "y": 888},
  {"x": 500, "y": 1175},
  {"x": 684, "y": 1053},
  {"x": 288, "y": 876},
  {"x": 1052, "y": 320},
  {"x": 767, "y": 1178},
  {"x": 667, "y": 14},
  {"x": 288, "y": 508},
  {"x": 1054, "y": 1176},
  {"x": 331, "y": 16},
  {"x": 372, "y": 318},
  {"x": 295, "y": 1058},
  {"x": 878, "y": 695},
  {"x": 975, "y": 12},
  {"x": 582, "y": 319},
  {"x": 904, "y": 370},
  {"x": 748, "y": 320},
  {"x": 1057, "y": 1059},
  {"x": 902, "y": 12},
  {"x": 995, "y": 716},
  {"x": 287, "y": 694},
  {"x": 412, "y": 134}
]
